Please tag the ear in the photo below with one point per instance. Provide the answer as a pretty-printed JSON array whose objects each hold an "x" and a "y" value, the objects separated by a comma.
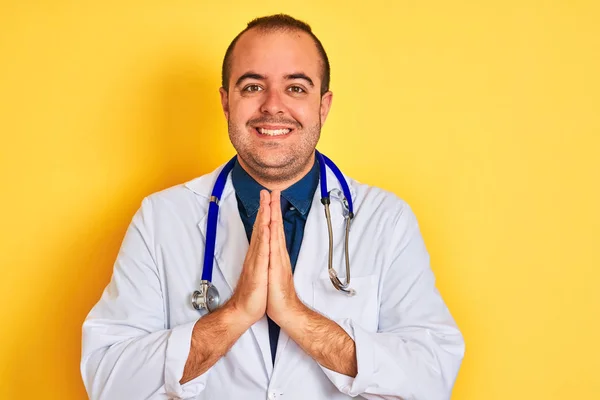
[
  {"x": 224, "y": 102},
  {"x": 325, "y": 105}
]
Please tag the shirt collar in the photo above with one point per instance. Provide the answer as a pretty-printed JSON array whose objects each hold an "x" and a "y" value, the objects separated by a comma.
[{"x": 300, "y": 194}]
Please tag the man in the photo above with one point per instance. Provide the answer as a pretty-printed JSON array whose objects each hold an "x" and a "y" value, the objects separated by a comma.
[{"x": 282, "y": 329}]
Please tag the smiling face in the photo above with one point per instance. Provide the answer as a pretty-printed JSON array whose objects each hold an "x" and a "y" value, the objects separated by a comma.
[{"x": 274, "y": 107}]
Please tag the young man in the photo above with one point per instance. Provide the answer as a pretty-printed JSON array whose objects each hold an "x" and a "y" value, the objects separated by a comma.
[{"x": 281, "y": 328}]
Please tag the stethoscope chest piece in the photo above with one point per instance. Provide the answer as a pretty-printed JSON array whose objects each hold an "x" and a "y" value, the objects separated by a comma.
[{"x": 206, "y": 298}]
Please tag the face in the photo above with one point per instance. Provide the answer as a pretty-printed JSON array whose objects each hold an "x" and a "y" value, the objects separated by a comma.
[{"x": 274, "y": 108}]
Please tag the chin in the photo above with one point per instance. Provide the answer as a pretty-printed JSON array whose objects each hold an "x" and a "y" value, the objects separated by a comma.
[{"x": 269, "y": 161}]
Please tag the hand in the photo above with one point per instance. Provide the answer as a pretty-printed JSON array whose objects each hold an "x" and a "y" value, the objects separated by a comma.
[
  {"x": 282, "y": 299},
  {"x": 250, "y": 296}
]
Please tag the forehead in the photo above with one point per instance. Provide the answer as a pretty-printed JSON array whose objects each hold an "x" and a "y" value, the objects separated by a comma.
[{"x": 276, "y": 53}]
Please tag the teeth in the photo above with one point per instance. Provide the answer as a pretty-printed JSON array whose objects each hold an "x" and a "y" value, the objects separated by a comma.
[{"x": 273, "y": 132}]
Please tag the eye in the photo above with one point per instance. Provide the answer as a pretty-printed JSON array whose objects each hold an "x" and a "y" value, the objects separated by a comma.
[
  {"x": 297, "y": 89},
  {"x": 252, "y": 88}
]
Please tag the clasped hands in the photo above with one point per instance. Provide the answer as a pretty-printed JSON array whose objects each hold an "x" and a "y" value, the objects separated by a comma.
[
  {"x": 266, "y": 285},
  {"x": 266, "y": 282}
]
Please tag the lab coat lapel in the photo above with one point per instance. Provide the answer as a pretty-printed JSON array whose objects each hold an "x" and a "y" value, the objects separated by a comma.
[
  {"x": 230, "y": 251},
  {"x": 231, "y": 244},
  {"x": 312, "y": 262}
]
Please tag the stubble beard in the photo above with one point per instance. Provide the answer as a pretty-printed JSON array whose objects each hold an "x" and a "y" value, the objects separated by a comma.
[{"x": 285, "y": 165}]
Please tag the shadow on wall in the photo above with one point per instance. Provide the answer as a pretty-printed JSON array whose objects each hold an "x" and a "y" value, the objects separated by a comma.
[{"x": 190, "y": 137}]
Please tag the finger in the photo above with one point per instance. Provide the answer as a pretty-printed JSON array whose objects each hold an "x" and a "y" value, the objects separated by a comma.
[
  {"x": 282, "y": 245},
  {"x": 277, "y": 240},
  {"x": 262, "y": 247},
  {"x": 278, "y": 250},
  {"x": 274, "y": 247},
  {"x": 262, "y": 208},
  {"x": 276, "y": 207},
  {"x": 255, "y": 227},
  {"x": 264, "y": 212},
  {"x": 261, "y": 221},
  {"x": 265, "y": 216}
]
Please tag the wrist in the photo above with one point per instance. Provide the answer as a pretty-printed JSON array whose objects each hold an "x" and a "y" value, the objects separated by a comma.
[
  {"x": 236, "y": 317},
  {"x": 292, "y": 317}
]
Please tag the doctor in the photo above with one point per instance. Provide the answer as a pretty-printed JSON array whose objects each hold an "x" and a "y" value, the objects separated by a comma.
[{"x": 281, "y": 329}]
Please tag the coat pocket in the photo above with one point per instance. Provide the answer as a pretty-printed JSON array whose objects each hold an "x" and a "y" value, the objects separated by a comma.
[{"x": 362, "y": 308}]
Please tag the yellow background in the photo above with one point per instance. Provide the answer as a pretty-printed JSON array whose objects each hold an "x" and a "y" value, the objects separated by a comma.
[{"x": 483, "y": 115}]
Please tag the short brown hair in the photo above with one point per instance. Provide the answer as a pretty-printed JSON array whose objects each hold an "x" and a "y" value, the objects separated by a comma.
[{"x": 275, "y": 22}]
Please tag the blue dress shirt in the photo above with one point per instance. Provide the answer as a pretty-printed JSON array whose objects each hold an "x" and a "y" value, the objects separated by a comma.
[{"x": 295, "y": 205}]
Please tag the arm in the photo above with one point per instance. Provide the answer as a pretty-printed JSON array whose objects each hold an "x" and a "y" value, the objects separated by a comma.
[
  {"x": 127, "y": 350},
  {"x": 418, "y": 349},
  {"x": 247, "y": 305},
  {"x": 324, "y": 340},
  {"x": 321, "y": 338},
  {"x": 221, "y": 328}
]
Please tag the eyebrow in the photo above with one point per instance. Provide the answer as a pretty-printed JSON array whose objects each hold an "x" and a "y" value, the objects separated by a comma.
[
  {"x": 300, "y": 75},
  {"x": 250, "y": 75},
  {"x": 259, "y": 77}
]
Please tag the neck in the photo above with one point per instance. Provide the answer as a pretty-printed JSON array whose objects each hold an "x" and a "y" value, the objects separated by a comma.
[{"x": 278, "y": 184}]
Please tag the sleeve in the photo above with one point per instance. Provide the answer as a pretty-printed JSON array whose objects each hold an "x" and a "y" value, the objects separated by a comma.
[
  {"x": 127, "y": 350},
  {"x": 417, "y": 351}
]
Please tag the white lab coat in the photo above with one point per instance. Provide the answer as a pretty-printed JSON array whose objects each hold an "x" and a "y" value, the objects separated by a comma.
[{"x": 136, "y": 339}]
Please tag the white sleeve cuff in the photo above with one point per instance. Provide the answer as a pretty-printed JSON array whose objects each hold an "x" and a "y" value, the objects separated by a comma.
[
  {"x": 178, "y": 350},
  {"x": 364, "y": 361}
]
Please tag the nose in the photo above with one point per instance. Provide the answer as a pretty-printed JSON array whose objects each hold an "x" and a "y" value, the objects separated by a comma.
[{"x": 272, "y": 104}]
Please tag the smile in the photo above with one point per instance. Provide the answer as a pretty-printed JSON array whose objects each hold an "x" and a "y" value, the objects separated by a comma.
[{"x": 273, "y": 132}]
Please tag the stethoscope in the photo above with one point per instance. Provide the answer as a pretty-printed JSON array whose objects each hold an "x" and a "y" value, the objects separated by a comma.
[{"x": 208, "y": 295}]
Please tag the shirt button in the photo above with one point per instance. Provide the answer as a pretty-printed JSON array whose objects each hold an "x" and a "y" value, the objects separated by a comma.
[
  {"x": 292, "y": 208},
  {"x": 271, "y": 396}
]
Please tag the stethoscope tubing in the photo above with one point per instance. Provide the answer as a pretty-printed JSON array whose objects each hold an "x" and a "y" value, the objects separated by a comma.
[{"x": 199, "y": 298}]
